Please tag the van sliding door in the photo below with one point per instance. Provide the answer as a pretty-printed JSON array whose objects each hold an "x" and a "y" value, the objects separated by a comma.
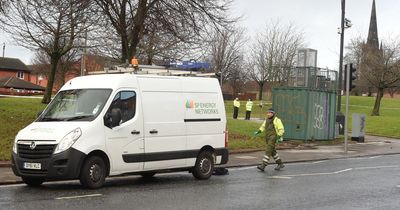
[{"x": 164, "y": 128}]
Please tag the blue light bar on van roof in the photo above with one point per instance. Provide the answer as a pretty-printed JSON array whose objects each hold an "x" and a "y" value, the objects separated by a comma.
[{"x": 189, "y": 65}]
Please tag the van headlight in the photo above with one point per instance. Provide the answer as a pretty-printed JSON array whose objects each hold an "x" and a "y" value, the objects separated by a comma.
[
  {"x": 68, "y": 140},
  {"x": 15, "y": 146}
]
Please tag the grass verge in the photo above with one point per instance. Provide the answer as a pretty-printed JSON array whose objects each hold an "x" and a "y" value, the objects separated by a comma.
[{"x": 15, "y": 114}]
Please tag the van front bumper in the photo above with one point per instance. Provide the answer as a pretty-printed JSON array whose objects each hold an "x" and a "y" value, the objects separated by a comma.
[{"x": 62, "y": 166}]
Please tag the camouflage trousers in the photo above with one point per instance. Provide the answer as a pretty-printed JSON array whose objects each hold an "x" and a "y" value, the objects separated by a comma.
[{"x": 270, "y": 152}]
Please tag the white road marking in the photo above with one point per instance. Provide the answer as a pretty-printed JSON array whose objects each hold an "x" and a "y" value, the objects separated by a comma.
[
  {"x": 375, "y": 167},
  {"x": 344, "y": 170},
  {"x": 279, "y": 177},
  {"x": 321, "y": 161},
  {"x": 375, "y": 157},
  {"x": 78, "y": 196},
  {"x": 341, "y": 171},
  {"x": 318, "y": 174},
  {"x": 11, "y": 185}
]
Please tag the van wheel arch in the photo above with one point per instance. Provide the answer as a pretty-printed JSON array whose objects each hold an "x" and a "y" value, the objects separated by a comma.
[{"x": 207, "y": 148}]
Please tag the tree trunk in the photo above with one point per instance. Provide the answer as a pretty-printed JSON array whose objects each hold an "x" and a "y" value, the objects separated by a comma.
[
  {"x": 149, "y": 59},
  {"x": 391, "y": 92},
  {"x": 369, "y": 92},
  {"x": 138, "y": 26},
  {"x": 50, "y": 82},
  {"x": 379, "y": 95},
  {"x": 124, "y": 48},
  {"x": 260, "y": 93}
]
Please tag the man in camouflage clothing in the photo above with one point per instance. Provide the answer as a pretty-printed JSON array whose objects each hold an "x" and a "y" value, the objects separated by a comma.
[{"x": 274, "y": 130}]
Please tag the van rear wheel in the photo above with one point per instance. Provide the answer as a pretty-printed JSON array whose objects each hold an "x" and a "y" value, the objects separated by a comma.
[
  {"x": 34, "y": 182},
  {"x": 93, "y": 173},
  {"x": 204, "y": 166}
]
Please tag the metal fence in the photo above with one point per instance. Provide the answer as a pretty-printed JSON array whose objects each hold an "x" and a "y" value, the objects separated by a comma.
[{"x": 313, "y": 78}]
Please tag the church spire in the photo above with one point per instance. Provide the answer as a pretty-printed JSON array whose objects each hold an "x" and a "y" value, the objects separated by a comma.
[{"x": 373, "y": 40}]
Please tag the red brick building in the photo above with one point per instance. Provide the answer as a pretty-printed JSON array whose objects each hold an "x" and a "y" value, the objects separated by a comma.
[
  {"x": 14, "y": 86},
  {"x": 13, "y": 67},
  {"x": 15, "y": 78},
  {"x": 68, "y": 71}
]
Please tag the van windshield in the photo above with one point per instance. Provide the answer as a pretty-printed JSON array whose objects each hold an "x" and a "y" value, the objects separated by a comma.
[{"x": 76, "y": 105}]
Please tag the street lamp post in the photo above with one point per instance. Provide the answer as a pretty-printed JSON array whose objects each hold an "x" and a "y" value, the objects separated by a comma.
[
  {"x": 341, "y": 31},
  {"x": 345, "y": 24}
]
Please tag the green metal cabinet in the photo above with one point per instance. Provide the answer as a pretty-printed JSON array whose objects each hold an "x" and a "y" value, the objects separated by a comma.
[{"x": 306, "y": 114}]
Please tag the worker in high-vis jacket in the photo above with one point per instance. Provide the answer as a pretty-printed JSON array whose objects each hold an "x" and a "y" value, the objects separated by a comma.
[
  {"x": 135, "y": 63},
  {"x": 236, "y": 106},
  {"x": 249, "y": 106},
  {"x": 274, "y": 131}
]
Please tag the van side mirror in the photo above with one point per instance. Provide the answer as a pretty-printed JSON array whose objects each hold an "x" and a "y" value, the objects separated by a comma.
[{"x": 113, "y": 118}]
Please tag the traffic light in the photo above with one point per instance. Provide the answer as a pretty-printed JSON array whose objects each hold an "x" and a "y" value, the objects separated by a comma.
[{"x": 353, "y": 77}]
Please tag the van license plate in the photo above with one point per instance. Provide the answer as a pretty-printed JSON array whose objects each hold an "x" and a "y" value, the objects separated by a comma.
[{"x": 36, "y": 166}]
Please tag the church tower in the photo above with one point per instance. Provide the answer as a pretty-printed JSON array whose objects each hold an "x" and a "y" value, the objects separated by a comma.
[{"x": 373, "y": 40}]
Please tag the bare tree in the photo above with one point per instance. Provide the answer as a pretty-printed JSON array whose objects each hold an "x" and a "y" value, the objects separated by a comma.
[
  {"x": 354, "y": 55},
  {"x": 158, "y": 43},
  {"x": 227, "y": 52},
  {"x": 182, "y": 19},
  {"x": 3, "y": 6},
  {"x": 238, "y": 75},
  {"x": 51, "y": 26},
  {"x": 394, "y": 90},
  {"x": 273, "y": 54},
  {"x": 381, "y": 68},
  {"x": 69, "y": 64}
]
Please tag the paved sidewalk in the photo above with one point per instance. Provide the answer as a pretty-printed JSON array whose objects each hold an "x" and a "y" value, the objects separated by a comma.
[{"x": 373, "y": 146}]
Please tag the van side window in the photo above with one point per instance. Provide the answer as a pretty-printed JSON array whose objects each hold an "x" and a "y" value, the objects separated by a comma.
[{"x": 125, "y": 102}]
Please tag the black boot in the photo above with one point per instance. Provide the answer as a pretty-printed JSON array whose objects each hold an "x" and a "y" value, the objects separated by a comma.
[
  {"x": 261, "y": 167},
  {"x": 279, "y": 167}
]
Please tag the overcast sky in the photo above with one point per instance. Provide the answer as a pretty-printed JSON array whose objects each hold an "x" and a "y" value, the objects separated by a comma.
[{"x": 318, "y": 19}]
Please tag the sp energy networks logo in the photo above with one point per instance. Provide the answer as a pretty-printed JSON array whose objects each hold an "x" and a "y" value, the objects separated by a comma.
[
  {"x": 201, "y": 107},
  {"x": 189, "y": 104}
]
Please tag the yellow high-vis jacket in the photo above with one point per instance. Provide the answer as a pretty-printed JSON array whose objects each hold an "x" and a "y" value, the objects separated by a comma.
[
  {"x": 236, "y": 103},
  {"x": 280, "y": 130},
  {"x": 249, "y": 105}
]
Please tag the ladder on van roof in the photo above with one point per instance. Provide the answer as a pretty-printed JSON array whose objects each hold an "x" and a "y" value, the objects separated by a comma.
[{"x": 151, "y": 69}]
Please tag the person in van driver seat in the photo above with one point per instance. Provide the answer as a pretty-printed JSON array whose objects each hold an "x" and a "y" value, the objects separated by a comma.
[{"x": 127, "y": 110}]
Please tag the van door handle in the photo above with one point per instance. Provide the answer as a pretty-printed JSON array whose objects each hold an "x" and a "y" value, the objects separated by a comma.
[
  {"x": 135, "y": 132},
  {"x": 153, "y": 131}
]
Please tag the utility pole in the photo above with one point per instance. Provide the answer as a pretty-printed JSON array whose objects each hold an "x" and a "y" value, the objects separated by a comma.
[
  {"x": 4, "y": 48},
  {"x": 222, "y": 73},
  {"x": 345, "y": 23},
  {"x": 341, "y": 56},
  {"x": 83, "y": 61}
]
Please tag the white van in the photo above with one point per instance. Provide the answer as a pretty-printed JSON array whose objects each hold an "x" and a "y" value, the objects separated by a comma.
[{"x": 107, "y": 125}]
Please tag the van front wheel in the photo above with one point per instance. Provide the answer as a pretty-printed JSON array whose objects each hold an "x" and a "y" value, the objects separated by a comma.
[
  {"x": 204, "y": 166},
  {"x": 93, "y": 173}
]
